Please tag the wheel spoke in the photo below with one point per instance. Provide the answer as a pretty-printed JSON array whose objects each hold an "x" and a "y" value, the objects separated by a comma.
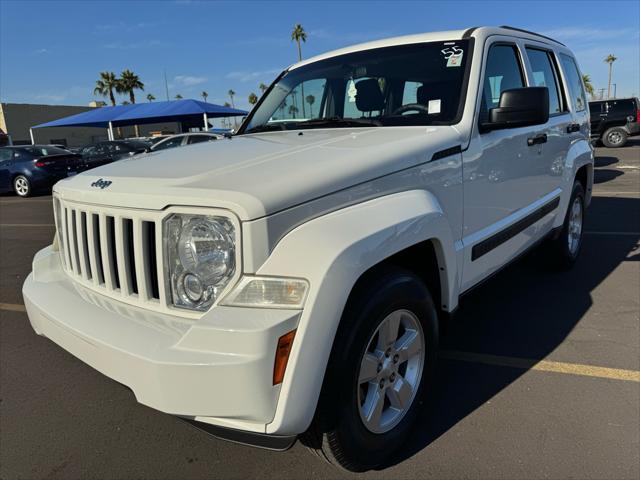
[
  {"x": 373, "y": 408},
  {"x": 408, "y": 346},
  {"x": 400, "y": 393},
  {"x": 388, "y": 331},
  {"x": 368, "y": 368}
]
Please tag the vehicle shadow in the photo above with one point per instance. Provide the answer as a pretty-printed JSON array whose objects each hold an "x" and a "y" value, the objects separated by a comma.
[
  {"x": 526, "y": 311},
  {"x": 604, "y": 161},
  {"x": 604, "y": 175}
]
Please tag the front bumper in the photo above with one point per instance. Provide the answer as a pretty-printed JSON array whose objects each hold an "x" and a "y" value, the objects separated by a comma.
[{"x": 217, "y": 369}]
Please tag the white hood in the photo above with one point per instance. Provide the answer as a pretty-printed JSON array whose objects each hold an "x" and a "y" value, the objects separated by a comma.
[{"x": 257, "y": 175}]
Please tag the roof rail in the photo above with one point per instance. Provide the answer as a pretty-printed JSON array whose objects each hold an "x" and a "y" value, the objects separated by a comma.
[{"x": 531, "y": 33}]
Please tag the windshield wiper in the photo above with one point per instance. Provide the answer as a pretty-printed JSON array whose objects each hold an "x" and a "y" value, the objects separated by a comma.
[{"x": 340, "y": 122}]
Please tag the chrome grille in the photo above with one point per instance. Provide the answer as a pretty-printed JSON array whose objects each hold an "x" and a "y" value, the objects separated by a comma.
[{"x": 116, "y": 252}]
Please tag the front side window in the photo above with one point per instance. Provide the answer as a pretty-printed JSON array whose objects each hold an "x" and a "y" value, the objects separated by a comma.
[
  {"x": 574, "y": 81},
  {"x": 503, "y": 72},
  {"x": 169, "y": 143},
  {"x": 544, "y": 75},
  {"x": 417, "y": 84}
]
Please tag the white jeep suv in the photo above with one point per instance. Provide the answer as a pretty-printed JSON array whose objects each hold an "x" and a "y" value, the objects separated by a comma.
[{"x": 287, "y": 282}]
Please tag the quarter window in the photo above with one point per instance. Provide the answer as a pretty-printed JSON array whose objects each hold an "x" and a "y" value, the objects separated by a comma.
[
  {"x": 575, "y": 82},
  {"x": 544, "y": 75},
  {"x": 503, "y": 72}
]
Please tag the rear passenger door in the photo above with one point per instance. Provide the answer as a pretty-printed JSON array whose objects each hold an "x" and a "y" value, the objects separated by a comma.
[{"x": 552, "y": 154}]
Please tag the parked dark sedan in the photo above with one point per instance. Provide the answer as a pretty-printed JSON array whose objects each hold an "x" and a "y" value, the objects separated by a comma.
[
  {"x": 30, "y": 168},
  {"x": 107, "y": 152}
]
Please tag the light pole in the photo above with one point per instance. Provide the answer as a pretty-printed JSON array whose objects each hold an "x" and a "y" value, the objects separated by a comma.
[{"x": 615, "y": 89}]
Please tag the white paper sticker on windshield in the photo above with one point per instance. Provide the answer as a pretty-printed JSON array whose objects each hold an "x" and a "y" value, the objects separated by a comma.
[
  {"x": 455, "y": 60},
  {"x": 352, "y": 91},
  {"x": 453, "y": 55},
  {"x": 434, "y": 106}
]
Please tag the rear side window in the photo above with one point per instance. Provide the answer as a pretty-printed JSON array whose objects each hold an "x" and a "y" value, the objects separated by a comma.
[
  {"x": 200, "y": 138},
  {"x": 622, "y": 107},
  {"x": 503, "y": 72},
  {"x": 576, "y": 88},
  {"x": 544, "y": 75},
  {"x": 595, "y": 108}
]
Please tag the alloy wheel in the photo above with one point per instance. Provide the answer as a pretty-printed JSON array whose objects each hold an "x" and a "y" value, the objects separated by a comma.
[{"x": 390, "y": 371}]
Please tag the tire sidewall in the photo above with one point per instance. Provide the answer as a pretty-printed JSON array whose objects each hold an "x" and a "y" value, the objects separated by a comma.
[
  {"x": 29, "y": 188},
  {"x": 621, "y": 143},
  {"x": 572, "y": 257},
  {"x": 401, "y": 291}
]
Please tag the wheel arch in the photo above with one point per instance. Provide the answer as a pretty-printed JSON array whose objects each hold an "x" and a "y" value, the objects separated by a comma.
[{"x": 391, "y": 229}]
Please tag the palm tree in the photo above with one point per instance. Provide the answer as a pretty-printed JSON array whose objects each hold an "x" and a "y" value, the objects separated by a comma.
[
  {"x": 105, "y": 86},
  {"x": 588, "y": 86},
  {"x": 204, "y": 96},
  {"x": 151, "y": 98},
  {"x": 262, "y": 87},
  {"x": 293, "y": 110},
  {"x": 126, "y": 102},
  {"x": 610, "y": 59},
  {"x": 178, "y": 97},
  {"x": 128, "y": 83},
  {"x": 100, "y": 103},
  {"x": 226, "y": 121},
  {"x": 253, "y": 98},
  {"x": 310, "y": 100},
  {"x": 297, "y": 36},
  {"x": 233, "y": 105}
]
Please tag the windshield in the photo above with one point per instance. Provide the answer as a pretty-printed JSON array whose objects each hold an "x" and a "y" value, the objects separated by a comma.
[{"x": 417, "y": 84}]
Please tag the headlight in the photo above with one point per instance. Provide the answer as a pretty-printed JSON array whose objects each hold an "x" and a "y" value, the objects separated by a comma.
[{"x": 200, "y": 258}]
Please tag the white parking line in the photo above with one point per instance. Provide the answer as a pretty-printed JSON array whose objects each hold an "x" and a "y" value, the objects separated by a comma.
[{"x": 615, "y": 234}]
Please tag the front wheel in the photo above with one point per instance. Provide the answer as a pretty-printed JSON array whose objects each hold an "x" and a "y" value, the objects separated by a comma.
[
  {"x": 22, "y": 186},
  {"x": 382, "y": 360}
]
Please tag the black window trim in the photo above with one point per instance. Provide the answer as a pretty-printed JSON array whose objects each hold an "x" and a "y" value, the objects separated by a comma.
[
  {"x": 567, "y": 86},
  {"x": 521, "y": 66},
  {"x": 554, "y": 68}
]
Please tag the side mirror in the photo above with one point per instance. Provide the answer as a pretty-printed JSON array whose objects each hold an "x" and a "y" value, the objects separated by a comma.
[{"x": 519, "y": 107}]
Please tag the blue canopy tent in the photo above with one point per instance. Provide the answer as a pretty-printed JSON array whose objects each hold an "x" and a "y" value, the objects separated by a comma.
[{"x": 144, "y": 113}]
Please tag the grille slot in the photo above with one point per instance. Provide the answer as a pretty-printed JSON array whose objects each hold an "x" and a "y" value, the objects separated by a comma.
[{"x": 113, "y": 254}]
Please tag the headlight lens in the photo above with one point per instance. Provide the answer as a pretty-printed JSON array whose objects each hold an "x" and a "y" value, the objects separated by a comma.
[{"x": 200, "y": 255}]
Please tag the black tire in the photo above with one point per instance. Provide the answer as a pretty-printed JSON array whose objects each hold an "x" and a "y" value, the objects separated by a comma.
[
  {"x": 338, "y": 434},
  {"x": 22, "y": 186},
  {"x": 561, "y": 255},
  {"x": 614, "y": 137}
]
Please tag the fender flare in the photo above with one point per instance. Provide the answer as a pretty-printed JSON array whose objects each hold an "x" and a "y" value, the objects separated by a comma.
[
  {"x": 332, "y": 252},
  {"x": 580, "y": 154}
]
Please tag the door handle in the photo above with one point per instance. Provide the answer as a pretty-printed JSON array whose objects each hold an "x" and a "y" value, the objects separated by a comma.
[
  {"x": 542, "y": 138},
  {"x": 574, "y": 127}
]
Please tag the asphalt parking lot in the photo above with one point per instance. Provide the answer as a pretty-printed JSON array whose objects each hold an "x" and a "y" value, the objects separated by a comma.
[{"x": 539, "y": 376}]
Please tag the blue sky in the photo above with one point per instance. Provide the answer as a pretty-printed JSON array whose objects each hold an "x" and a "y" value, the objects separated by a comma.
[{"x": 51, "y": 52}]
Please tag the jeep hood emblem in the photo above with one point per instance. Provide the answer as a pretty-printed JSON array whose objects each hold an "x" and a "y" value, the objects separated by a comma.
[{"x": 101, "y": 183}]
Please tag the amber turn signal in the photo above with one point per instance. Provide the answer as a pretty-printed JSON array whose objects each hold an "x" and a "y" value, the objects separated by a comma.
[{"x": 282, "y": 356}]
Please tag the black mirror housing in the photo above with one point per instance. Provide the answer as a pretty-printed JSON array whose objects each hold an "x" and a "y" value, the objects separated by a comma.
[{"x": 519, "y": 107}]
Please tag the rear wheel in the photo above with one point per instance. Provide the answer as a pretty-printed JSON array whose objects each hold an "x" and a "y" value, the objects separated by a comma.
[
  {"x": 383, "y": 358},
  {"x": 22, "y": 186},
  {"x": 614, "y": 137},
  {"x": 564, "y": 249}
]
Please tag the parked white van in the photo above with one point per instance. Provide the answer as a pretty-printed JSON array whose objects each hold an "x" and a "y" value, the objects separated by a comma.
[{"x": 287, "y": 282}]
